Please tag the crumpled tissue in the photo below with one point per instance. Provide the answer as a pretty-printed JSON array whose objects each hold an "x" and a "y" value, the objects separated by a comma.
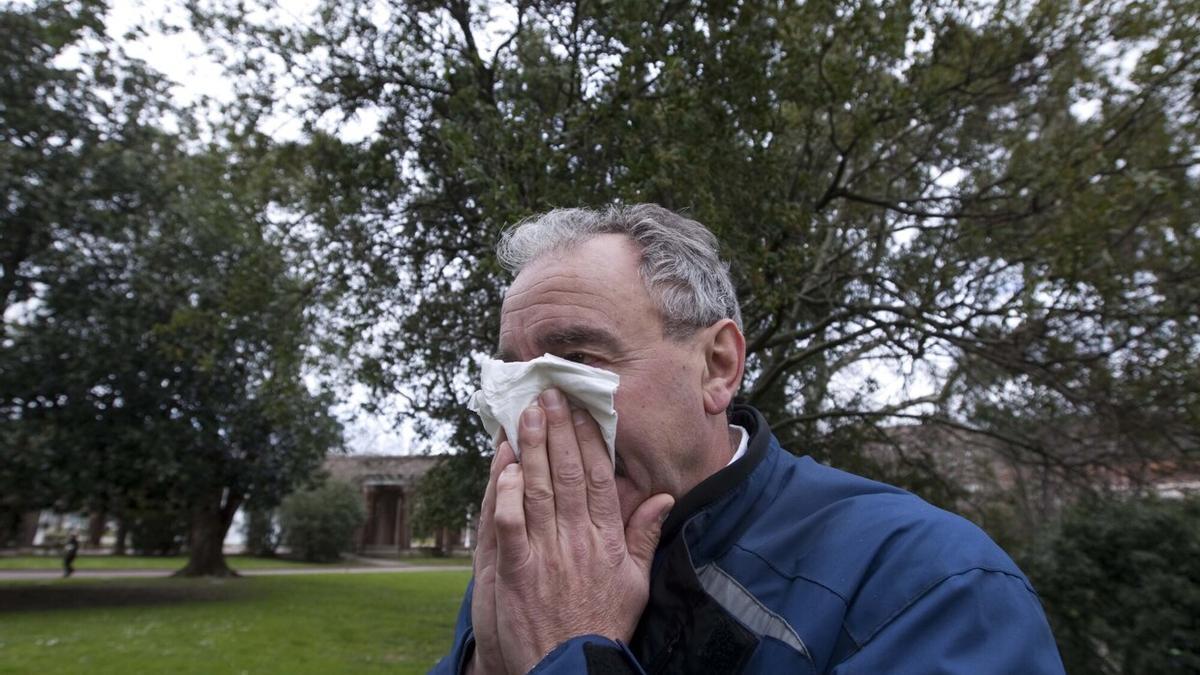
[{"x": 508, "y": 388}]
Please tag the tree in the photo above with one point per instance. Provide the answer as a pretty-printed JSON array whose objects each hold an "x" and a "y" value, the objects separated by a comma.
[
  {"x": 179, "y": 368},
  {"x": 62, "y": 129},
  {"x": 163, "y": 359},
  {"x": 261, "y": 532},
  {"x": 158, "y": 531},
  {"x": 1121, "y": 583},
  {"x": 65, "y": 133},
  {"x": 448, "y": 494},
  {"x": 319, "y": 524},
  {"x": 980, "y": 216}
]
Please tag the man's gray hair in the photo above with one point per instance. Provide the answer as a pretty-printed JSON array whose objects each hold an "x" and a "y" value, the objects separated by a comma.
[{"x": 680, "y": 265}]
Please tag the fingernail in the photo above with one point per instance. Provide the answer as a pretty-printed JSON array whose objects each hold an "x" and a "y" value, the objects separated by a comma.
[
  {"x": 533, "y": 418},
  {"x": 552, "y": 399},
  {"x": 662, "y": 517},
  {"x": 578, "y": 417}
]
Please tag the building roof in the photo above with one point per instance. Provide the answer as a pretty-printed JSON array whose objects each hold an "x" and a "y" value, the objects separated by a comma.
[{"x": 402, "y": 470}]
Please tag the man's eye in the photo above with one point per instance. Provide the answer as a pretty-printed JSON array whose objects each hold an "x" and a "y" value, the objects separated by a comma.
[{"x": 578, "y": 357}]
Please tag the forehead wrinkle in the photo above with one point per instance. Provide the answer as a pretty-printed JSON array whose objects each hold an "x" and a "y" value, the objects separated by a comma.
[
  {"x": 602, "y": 300},
  {"x": 558, "y": 275},
  {"x": 563, "y": 305},
  {"x": 574, "y": 297},
  {"x": 587, "y": 291}
]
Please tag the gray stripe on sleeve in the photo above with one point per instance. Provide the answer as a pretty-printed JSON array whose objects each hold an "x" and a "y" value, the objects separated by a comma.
[{"x": 746, "y": 608}]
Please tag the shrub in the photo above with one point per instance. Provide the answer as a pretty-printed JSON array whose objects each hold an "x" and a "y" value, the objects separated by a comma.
[
  {"x": 319, "y": 524},
  {"x": 161, "y": 532},
  {"x": 1121, "y": 585}
]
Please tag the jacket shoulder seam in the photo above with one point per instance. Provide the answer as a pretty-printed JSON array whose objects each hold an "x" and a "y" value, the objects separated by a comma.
[
  {"x": 790, "y": 576},
  {"x": 917, "y": 597}
]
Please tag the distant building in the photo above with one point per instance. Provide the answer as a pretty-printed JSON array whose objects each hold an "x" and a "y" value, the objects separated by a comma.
[
  {"x": 388, "y": 484},
  {"x": 981, "y": 466}
]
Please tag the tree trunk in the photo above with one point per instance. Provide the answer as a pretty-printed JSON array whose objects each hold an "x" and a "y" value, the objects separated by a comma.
[
  {"x": 97, "y": 521},
  {"x": 27, "y": 530},
  {"x": 8, "y": 527},
  {"x": 210, "y": 523}
]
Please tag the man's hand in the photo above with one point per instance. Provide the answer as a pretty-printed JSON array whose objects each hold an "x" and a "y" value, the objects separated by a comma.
[
  {"x": 487, "y": 657},
  {"x": 565, "y": 563}
]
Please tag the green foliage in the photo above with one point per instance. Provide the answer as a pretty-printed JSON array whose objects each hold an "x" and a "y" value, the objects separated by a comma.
[
  {"x": 449, "y": 492},
  {"x": 66, "y": 135},
  {"x": 993, "y": 204},
  {"x": 159, "y": 533},
  {"x": 77, "y": 160},
  {"x": 319, "y": 524},
  {"x": 157, "y": 353},
  {"x": 261, "y": 532},
  {"x": 1121, "y": 583}
]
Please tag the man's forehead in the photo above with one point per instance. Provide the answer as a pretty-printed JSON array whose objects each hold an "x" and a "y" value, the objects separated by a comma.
[
  {"x": 592, "y": 296},
  {"x": 554, "y": 290},
  {"x": 604, "y": 257}
]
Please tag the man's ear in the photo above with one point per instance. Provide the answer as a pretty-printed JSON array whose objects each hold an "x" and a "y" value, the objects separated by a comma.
[{"x": 724, "y": 361}]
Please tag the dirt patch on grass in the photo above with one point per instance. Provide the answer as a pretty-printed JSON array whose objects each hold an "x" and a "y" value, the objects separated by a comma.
[{"x": 40, "y": 597}]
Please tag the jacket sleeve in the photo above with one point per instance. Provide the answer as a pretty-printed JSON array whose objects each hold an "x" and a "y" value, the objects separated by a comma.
[
  {"x": 592, "y": 654},
  {"x": 977, "y": 622}
]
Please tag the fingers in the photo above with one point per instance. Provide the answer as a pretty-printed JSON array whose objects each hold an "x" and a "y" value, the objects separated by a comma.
[
  {"x": 567, "y": 473},
  {"x": 645, "y": 527},
  {"x": 535, "y": 473},
  {"x": 483, "y": 596},
  {"x": 486, "y": 546},
  {"x": 487, "y": 531},
  {"x": 566, "y": 466},
  {"x": 504, "y": 456},
  {"x": 603, "y": 505},
  {"x": 512, "y": 540},
  {"x": 483, "y": 611}
]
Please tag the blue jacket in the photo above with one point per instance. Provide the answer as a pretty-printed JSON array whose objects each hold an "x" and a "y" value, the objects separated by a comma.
[{"x": 780, "y": 564}]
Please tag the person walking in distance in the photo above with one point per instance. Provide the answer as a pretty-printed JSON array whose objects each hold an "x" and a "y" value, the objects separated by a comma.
[{"x": 69, "y": 553}]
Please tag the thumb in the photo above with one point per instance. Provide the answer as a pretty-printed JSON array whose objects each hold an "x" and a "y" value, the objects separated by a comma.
[{"x": 645, "y": 527}]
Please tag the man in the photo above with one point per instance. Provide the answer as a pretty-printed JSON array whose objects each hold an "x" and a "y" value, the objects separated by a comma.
[
  {"x": 767, "y": 562},
  {"x": 69, "y": 553}
]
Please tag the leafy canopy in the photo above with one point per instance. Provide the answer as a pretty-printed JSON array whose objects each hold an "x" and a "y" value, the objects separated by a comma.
[
  {"x": 159, "y": 342},
  {"x": 975, "y": 215}
]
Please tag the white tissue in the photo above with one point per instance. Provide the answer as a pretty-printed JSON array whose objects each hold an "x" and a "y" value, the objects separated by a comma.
[{"x": 507, "y": 389}]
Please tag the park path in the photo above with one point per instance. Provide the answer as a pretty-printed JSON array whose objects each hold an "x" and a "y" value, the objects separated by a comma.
[{"x": 26, "y": 575}]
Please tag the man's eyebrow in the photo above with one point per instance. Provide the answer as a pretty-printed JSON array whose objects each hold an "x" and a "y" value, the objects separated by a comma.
[
  {"x": 576, "y": 336},
  {"x": 565, "y": 338}
]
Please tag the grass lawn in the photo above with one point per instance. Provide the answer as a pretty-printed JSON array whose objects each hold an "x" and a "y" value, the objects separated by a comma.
[
  {"x": 138, "y": 562},
  {"x": 461, "y": 561},
  {"x": 336, "y": 623}
]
